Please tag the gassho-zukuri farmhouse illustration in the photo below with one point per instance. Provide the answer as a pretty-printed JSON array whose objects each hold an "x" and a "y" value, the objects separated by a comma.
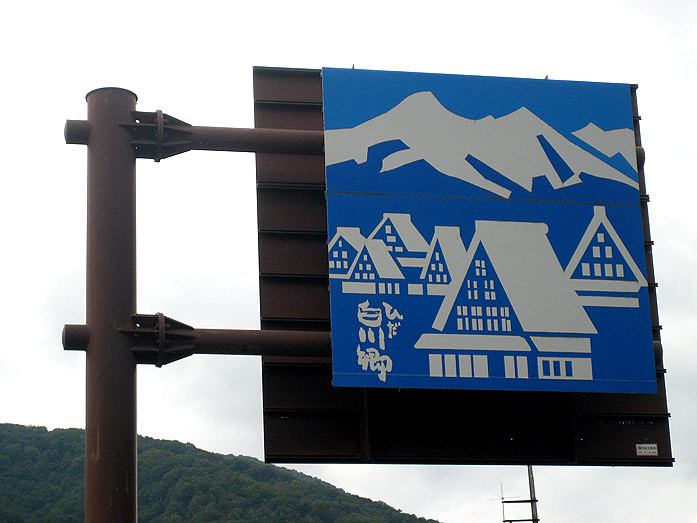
[{"x": 491, "y": 301}]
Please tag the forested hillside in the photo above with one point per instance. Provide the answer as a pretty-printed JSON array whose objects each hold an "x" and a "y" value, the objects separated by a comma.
[{"x": 41, "y": 480}]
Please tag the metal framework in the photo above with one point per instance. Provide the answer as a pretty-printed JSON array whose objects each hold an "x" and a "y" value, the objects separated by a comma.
[
  {"x": 115, "y": 338},
  {"x": 311, "y": 420}
]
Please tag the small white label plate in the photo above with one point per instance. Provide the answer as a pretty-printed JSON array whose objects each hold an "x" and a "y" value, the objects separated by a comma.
[{"x": 647, "y": 449}]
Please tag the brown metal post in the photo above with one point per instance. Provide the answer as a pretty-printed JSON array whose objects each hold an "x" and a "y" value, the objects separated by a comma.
[{"x": 110, "y": 435}]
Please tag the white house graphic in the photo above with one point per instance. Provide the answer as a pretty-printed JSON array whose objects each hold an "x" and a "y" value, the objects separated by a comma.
[
  {"x": 373, "y": 271},
  {"x": 343, "y": 249},
  {"x": 602, "y": 267},
  {"x": 502, "y": 300},
  {"x": 444, "y": 260},
  {"x": 506, "y": 299},
  {"x": 401, "y": 238}
]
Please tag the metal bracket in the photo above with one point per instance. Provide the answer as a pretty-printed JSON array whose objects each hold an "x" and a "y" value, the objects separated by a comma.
[
  {"x": 158, "y": 135},
  {"x": 153, "y": 341}
]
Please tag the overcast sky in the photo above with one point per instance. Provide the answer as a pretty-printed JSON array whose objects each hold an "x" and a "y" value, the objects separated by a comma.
[{"x": 194, "y": 61}]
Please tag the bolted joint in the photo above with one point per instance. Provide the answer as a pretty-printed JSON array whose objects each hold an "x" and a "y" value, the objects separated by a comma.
[
  {"x": 158, "y": 135},
  {"x": 158, "y": 340}
]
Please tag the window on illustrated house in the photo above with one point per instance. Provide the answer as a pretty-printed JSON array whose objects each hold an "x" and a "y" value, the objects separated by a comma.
[{"x": 600, "y": 237}]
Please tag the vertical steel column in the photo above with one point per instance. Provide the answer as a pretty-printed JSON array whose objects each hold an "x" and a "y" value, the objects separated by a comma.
[{"x": 110, "y": 435}]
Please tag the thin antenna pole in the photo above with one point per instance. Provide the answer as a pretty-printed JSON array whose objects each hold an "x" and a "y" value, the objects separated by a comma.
[
  {"x": 503, "y": 505},
  {"x": 533, "y": 498}
]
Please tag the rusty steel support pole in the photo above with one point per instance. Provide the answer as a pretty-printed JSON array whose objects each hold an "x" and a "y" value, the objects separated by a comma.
[{"x": 110, "y": 431}]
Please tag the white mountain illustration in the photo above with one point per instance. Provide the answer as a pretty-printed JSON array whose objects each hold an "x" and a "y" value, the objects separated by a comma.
[
  {"x": 509, "y": 144},
  {"x": 610, "y": 143}
]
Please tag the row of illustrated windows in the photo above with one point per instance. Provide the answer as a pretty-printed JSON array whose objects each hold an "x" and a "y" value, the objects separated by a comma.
[
  {"x": 473, "y": 291},
  {"x": 478, "y": 310},
  {"x": 559, "y": 368},
  {"x": 477, "y": 324},
  {"x": 388, "y": 288},
  {"x": 603, "y": 269},
  {"x": 596, "y": 251},
  {"x": 338, "y": 264},
  {"x": 472, "y": 318}
]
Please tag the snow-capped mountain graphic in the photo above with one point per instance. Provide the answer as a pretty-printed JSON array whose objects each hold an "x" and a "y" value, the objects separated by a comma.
[
  {"x": 520, "y": 146},
  {"x": 610, "y": 143}
]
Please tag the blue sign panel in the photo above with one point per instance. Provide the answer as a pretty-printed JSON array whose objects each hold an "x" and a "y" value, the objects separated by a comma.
[{"x": 484, "y": 233}]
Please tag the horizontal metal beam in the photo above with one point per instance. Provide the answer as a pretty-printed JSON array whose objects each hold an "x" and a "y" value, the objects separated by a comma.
[
  {"x": 159, "y": 340},
  {"x": 158, "y": 135},
  {"x": 262, "y": 342},
  {"x": 276, "y": 141}
]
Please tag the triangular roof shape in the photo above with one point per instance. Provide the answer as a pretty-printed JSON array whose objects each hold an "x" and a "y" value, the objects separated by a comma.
[
  {"x": 405, "y": 229},
  {"x": 350, "y": 234},
  {"x": 603, "y": 284},
  {"x": 453, "y": 249},
  {"x": 381, "y": 258},
  {"x": 540, "y": 293}
]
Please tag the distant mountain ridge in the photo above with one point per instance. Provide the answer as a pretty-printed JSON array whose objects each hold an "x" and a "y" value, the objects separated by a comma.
[
  {"x": 42, "y": 475},
  {"x": 520, "y": 146}
]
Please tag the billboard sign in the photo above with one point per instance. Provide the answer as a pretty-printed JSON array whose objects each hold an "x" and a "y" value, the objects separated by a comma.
[{"x": 484, "y": 233}]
